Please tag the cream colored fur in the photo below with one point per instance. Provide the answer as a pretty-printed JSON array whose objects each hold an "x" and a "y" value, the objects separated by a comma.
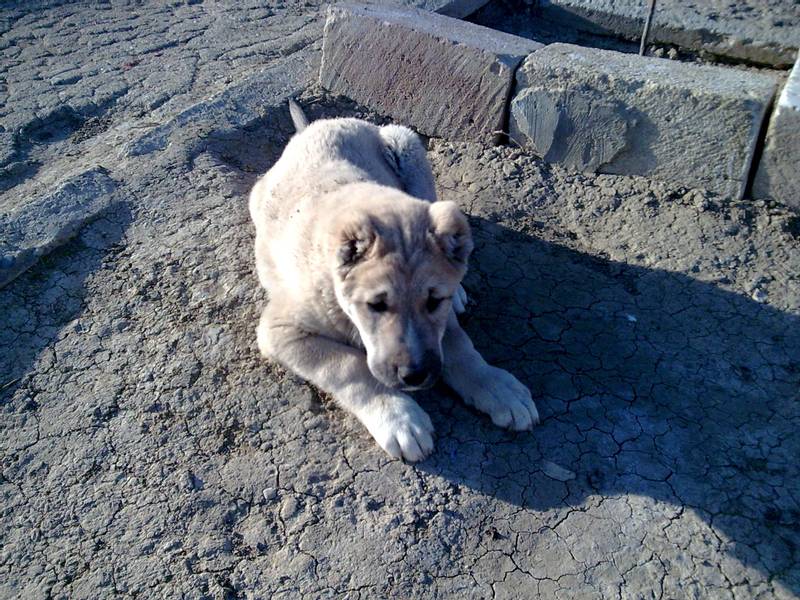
[{"x": 363, "y": 270}]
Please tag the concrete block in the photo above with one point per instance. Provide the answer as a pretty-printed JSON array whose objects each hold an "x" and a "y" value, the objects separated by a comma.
[
  {"x": 777, "y": 175},
  {"x": 30, "y": 228},
  {"x": 457, "y": 9},
  {"x": 444, "y": 77},
  {"x": 751, "y": 30},
  {"x": 607, "y": 112}
]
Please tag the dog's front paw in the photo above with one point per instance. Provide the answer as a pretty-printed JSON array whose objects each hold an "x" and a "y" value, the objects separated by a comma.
[
  {"x": 504, "y": 398},
  {"x": 399, "y": 426}
]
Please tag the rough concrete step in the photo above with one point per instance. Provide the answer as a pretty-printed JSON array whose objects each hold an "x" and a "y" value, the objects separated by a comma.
[
  {"x": 760, "y": 31},
  {"x": 444, "y": 77},
  {"x": 777, "y": 175},
  {"x": 32, "y": 228},
  {"x": 603, "y": 111}
]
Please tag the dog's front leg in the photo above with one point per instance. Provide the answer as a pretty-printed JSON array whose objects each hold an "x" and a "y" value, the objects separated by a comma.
[
  {"x": 489, "y": 389},
  {"x": 394, "y": 419}
]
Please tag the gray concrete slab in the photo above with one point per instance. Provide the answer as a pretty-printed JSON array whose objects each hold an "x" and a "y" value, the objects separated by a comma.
[
  {"x": 32, "y": 227},
  {"x": 442, "y": 76},
  {"x": 777, "y": 175},
  {"x": 760, "y": 31},
  {"x": 604, "y": 111}
]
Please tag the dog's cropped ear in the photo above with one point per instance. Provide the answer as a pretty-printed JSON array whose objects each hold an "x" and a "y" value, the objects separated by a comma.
[
  {"x": 450, "y": 232},
  {"x": 353, "y": 242}
]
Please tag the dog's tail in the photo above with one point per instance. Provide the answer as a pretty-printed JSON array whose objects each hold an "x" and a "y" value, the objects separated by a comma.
[{"x": 298, "y": 116}]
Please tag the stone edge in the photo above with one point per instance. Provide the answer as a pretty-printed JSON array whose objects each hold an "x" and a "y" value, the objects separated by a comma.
[
  {"x": 91, "y": 192},
  {"x": 751, "y": 164}
]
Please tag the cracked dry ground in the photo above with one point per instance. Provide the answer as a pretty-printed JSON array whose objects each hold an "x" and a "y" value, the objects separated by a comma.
[
  {"x": 71, "y": 71},
  {"x": 147, "y": 450}
]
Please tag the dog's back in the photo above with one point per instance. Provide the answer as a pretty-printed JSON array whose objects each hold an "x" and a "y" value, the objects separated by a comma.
[{"x": 330, "y": 153}]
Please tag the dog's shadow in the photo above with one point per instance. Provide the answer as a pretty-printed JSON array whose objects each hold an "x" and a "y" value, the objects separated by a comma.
[{"x": 649, "y": 384}]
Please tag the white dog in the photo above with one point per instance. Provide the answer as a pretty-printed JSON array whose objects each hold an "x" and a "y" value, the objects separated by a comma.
[{"x": 363, "y": 269}]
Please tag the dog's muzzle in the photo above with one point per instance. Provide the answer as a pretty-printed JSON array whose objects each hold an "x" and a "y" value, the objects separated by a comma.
[{"x": 422, "y": 375}]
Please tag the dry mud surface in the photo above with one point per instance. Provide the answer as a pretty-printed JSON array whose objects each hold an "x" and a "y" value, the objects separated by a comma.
[{"x": 147, "y": 451}]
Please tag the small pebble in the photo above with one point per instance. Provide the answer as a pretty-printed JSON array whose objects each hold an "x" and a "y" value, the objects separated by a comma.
[{"x": 557, "y": 472}]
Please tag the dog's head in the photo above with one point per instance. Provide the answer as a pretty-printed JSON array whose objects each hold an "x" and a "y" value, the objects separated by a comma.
[{"x": 397, "y": 262}]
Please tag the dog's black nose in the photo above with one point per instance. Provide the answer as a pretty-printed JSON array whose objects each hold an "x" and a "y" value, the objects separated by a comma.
[
  {"x": 413, "y": 377},
  {"x": 422, "y": 373}
]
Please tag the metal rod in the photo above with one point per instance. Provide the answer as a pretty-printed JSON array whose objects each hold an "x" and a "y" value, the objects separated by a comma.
[{"x": 647, "y": 23}]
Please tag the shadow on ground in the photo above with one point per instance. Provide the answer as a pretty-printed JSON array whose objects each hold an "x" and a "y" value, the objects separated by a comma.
[{"x": 649, "y": 383}]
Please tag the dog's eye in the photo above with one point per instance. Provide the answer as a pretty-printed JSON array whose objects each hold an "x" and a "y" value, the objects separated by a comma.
[
  {"x": 378, "y": 307},
  {"x": 433, "y": 303}
]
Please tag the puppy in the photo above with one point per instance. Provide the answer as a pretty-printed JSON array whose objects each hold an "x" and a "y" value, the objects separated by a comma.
[{"x": 363, "y": 269}]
